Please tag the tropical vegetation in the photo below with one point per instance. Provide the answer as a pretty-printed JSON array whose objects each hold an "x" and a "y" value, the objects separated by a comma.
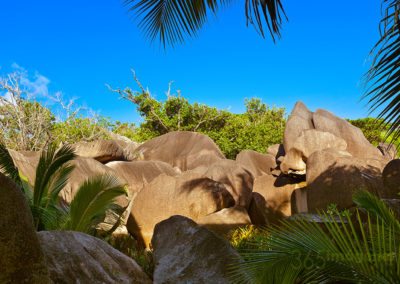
[
  {"x": 89, "y": 205},
  {"x": 257, "y": 128},
  {"x": 362, "y": 247},
  {"x": 170, "y": 21}
]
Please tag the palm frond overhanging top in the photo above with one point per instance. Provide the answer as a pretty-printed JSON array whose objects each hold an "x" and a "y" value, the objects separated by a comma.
[
  {"x": 384, "y": 75},
  {"x": 171, "y": 21}
]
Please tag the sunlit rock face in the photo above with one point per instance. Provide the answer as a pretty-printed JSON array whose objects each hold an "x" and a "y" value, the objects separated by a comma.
[
  {"x": 334, "y": 176},
  {"x": 182, "y": 149},
  {"x": 307, "y": 132},
  {"x": 185, "y": 252},
  {"x": 190, "y": 194},
  {"x": 74, "y": 257}
]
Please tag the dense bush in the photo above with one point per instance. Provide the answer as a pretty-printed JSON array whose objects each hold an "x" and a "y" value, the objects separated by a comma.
[
  {"x": 256, "y": 129},
  {"x": 374, "y": 130}
]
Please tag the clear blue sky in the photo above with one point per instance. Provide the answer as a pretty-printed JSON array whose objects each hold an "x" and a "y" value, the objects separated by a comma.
[{"x": 80, "y": 45}]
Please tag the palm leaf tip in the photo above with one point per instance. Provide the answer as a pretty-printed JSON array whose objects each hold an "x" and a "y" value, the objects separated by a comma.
[
  {"x": 270, "y": 12},
  {"x": 53, "y": 171},
  {"x": 171, "y": 21},
  {"x": 383, "y": 77},
  {"x": 94, "y": 197}
]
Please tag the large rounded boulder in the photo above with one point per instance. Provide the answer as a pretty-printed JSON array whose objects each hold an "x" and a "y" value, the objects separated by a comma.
[
  {"x": 183, "y": 149},
  {"x": 86, "y": 168},
  {"x": 391, "y": 179},
  {"x": 74, "y": 257},
  {"x": 185, "y": 252},
  {"x": 357, "y": 145},
  {"x": 236, "y": 179},
  {"x": 21, "y": 259},
  {"x": 308, "y": 142},
  {"x": 226, "y": 220},
  {"x": 256, "y": 163},
  {"x": 334, "y": 176},
  {"x": 190, "y": 194},
  {"x": 299, "y": 120},
  {"x": 26, "y": 162},
  {"x": 271, "y": 199},
  {"x": 101, "y": 150},
  {"x": 139, "y": 173}
]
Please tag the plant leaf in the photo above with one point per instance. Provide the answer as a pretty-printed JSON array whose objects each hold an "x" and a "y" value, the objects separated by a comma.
[{"x": 92, "y": 200}]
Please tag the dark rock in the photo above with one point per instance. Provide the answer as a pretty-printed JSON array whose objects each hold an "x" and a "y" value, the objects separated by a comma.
[
  {"x": 21, "y": 259},
  {"x": 185, "y": 252}
]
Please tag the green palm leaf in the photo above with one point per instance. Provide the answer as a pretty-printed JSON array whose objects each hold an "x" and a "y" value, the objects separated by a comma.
[
  {"x": 335, "y": 251},
  {"x": 52, "y": 174},
  {"x": 384, "y": 75},
  {"x": 52, "y": 171},
  {"x": 171, "y": 21},
  {"x": 269, "y": 11},
  {"x": 92, "y": 200},
  {"x": 377, "y": 208},
  {"x": 7, "y": 165}
]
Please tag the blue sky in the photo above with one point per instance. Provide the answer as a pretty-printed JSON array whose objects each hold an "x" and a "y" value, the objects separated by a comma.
[{"x": 81, "y": 45}]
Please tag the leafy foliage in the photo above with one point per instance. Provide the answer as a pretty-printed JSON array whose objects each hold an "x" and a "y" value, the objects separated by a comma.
[
  {"x": 384, "y": 74},
  {"x": 25, "y": 125},
  {"x": 256, "y": 129},
  {"x": 80, "y": 129},
  {"x": 52, "y": 175},
  {"x": 372, "y": 129},
  {"x": 170, "y": 21},
  {"x": 340, "y": 249},
  {"x": 93, "y": 198}
]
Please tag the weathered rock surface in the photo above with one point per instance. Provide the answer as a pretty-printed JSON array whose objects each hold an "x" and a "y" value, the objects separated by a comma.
[
  {"x": 333, "y": 177},
  {"x": 86, "y": 168},
  {"x": 391, "y": 179},
  {"x": 236, "y": 179},
  {"x": 256, "y": 163},
  {"x": 307, "y": 143},
  {"x": 276, "y": 150},
  {"x": 101, "y": 150},
  {"x": 388, "y": 151},
  {"x": 183, "y": 149},
  {"x": 185, "y": 252},
  {"x": 128, "y": 149},
  {"x": 225, "y": 220},
  {"x": 74, "y": 257},
  {"x": 271, "y": 199},
  {"x": 299, "y": 120},
  {"x": 357, "y": 145},
  {"x": 189, "y": 194},
  {"x": 21, "y": 259},
  {"x": 26, "y": 162},
  {"x": 139, "y": 173}
]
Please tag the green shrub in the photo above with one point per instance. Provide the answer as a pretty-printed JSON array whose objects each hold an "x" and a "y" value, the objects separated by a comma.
[{"x": 256, "y": 129}]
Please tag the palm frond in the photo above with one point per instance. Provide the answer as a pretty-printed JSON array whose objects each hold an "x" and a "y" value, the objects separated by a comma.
[
  {"x": 336, "y": 250},
  {"x": 376, "y": 208},
  {"x": 383, "y": 77},
  {"x": 270, "y": 12},
  {"x": 52, "y": 171},
  {"x": 171, "y": 21},
  {"x": 7, "y": 166},
  {"x": 92, "y": 200},
  {"x": 52, "y": 174}
]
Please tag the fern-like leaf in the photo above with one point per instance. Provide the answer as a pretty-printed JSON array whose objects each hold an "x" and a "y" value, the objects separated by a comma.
[{"x": 92, "y": 200}]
